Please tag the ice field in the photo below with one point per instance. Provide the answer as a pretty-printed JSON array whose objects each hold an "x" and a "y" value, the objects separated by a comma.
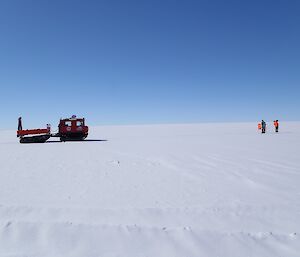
[{"x": 217, "y": 190}]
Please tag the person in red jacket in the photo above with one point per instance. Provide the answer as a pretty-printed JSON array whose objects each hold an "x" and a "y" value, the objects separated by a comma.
[
  {"x": 259, "y": 126},
  {"x": 276, "y": 125}
]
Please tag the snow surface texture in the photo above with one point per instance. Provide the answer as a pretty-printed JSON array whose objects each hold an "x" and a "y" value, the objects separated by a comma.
[{"x": 162, "y": 190}]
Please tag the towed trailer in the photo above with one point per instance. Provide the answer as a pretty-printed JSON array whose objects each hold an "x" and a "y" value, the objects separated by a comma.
[{"x": 69, "y": 129}]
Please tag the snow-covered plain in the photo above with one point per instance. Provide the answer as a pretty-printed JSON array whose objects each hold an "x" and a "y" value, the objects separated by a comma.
[{"x": 155, "y": 190}]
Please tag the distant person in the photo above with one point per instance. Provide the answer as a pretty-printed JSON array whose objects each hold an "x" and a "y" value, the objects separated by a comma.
[
  {"x": 20, "y": 123},
  {"x": 263, "y": 126},
  {"x": 276, "y": 125},
  {"x": 259, "y": 126}
]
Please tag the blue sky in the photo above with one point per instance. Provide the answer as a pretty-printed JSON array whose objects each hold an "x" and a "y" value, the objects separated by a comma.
[{"x": 129, "y": 62}]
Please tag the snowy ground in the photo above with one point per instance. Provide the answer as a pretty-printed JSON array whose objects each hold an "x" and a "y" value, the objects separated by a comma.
[{"x": 163, "y": 190}]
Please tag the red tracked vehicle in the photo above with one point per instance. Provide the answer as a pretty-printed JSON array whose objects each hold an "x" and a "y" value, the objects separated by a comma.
[{"x": 70, "y": 129}]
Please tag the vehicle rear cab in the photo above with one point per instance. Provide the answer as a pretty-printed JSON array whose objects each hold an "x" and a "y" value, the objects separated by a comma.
[{"x": 72, "y": 129}]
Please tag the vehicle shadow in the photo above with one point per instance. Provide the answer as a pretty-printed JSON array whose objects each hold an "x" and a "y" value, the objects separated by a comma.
[{"x": 81, "y": 141}]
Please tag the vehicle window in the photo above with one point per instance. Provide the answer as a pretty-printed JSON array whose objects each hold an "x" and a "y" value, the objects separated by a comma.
[
  {"x": 68, "y": 123},
  {"x": 78, "y": 123}
]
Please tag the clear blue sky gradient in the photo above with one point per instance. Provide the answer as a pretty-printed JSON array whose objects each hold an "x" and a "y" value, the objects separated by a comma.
[{"x": 158, "y": 61}]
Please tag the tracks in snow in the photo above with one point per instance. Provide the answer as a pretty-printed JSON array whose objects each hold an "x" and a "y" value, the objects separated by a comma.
[{"x": 68, "y": 239}]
